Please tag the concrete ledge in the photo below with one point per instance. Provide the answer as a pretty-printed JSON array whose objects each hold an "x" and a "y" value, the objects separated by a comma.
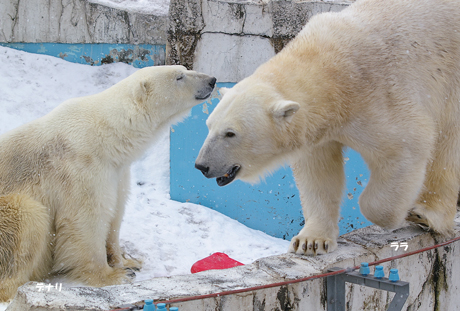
[
  {"x": 77, "y": 21},
  {"x": 432, "y": 276}
]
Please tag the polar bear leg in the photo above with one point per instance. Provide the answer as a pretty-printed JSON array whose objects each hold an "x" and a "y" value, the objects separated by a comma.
[
  {"x": 25, "y": 253},
  {"x": 394, "y": 184},
  {"x": 320, "y": 179},
  {"x": 437, "y": 203},
  {"x": 81, "y": 240},
  {"x": 115, "y": 257},
  {"x": 85, "y": 260}
]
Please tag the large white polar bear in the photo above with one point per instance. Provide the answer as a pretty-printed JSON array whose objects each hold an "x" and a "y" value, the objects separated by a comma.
[
  {"x": 382, "y": 77},
  {"x": 64, "y": 178}
]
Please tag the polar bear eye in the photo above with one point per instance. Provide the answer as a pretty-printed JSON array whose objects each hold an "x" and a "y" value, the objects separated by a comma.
[
  {"x": 229, "y": 134},
  {"x": 180, "y": 77}
]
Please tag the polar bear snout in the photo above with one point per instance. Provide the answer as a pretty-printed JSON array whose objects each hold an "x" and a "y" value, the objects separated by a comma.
[
  {"x": 202, "y": 168},
  {"x": 223, "y": 176},
  {"x": 207, "y": 89},
  {"x": 213, "y": 162}
]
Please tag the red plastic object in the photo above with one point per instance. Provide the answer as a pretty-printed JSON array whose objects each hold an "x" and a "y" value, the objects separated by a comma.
[{"x": 215, "y": 262}]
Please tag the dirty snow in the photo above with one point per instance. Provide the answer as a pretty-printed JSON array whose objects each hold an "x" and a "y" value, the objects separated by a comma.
[{"x": 169, "y": 236}]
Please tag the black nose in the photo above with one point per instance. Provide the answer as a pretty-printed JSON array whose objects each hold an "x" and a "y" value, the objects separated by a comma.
[
  {"x": 212, "y": 83},
  {"x": 202, "y": 168}
]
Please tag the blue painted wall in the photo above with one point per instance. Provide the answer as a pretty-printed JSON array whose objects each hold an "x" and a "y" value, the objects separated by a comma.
[
  {"x": 139, "y": 56},
  {"x": 272, "y": 206}
]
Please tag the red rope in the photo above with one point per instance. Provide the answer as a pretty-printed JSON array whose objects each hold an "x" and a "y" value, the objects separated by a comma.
[{"x": 249, "y": 289}]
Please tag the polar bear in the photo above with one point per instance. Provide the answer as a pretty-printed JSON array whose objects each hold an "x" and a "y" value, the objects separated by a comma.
[
  {"x": 381, "y": 77},
  {"x": 64, "y": 178}
]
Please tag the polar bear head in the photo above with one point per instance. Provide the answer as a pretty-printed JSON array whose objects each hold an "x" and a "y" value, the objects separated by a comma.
[
  {"x": 251, "y": 131},
  {"x": 165, "y": 92}
]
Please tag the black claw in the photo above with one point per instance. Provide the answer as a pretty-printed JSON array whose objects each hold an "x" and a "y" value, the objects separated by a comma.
[
  {"x": 326, "y": 246},
  {"x": 296, "y": 244},
  {"x": 130, "y": 273},
  {"x": 304, "y": 247}
]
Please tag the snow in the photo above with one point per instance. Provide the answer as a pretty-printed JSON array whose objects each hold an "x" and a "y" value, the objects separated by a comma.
[
  {"x": 169, "y": 236},
  {"x": 154, "y": 7}
]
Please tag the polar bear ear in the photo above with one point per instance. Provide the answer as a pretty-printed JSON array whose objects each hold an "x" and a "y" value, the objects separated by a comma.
[
  {"x": 223, "y": 90},
  {"x": 285, "y": 109},
  {"x": 140, "y": 92}
]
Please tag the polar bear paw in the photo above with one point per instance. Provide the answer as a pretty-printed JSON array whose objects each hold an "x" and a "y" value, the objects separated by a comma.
[
  {"x": 311, "y": 245},
  {"x": 132, "y": 263},
  {"x": 432, "y": 220},
  {"x": 106, "y": 276},
  {"x": 419, "y": 220}
]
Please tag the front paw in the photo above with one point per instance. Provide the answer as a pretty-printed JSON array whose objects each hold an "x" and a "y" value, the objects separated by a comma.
[
  {"x": 130, "y": 273},
  {"x": 312, "y": 245},
  {"x": 131, "y": 262}
]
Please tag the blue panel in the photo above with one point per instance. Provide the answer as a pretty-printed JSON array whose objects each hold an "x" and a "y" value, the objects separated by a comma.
[
  {"x": 272, "y": 206},
  {"x": 139, "y": 56}
]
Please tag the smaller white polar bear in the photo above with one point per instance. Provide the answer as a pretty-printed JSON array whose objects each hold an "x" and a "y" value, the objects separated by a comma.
[
  {"x": 64, "y": 178},
  {"x": 381, "y": 77}
]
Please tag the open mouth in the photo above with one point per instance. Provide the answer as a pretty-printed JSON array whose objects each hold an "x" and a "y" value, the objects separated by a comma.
[{"x": 228, "y": 177}]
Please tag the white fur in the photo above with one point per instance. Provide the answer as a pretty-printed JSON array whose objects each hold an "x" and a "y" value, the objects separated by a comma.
[{"x": 69, "y": 171}]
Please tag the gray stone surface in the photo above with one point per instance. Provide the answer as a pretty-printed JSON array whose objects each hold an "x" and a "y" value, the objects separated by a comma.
[
  {"x": 77, "y": 21},
  {"x": 232, "y": 57},
  {"x": 432, "y": 276},
  {"x": 232, "y": 38}
]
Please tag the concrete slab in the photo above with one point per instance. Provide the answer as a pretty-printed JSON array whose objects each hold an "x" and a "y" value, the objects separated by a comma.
[{"x": 232, "y": 56}]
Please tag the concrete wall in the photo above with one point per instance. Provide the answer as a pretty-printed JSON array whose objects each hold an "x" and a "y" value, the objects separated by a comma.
[
  {"x": 77, "y": 21},
  {"x": 231, "y": 38},
  {"x": 80, "y": 31}
]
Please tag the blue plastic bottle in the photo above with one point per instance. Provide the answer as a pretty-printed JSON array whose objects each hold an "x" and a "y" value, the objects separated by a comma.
[
  {"x": 173, "y": 309},
  {"x": 161, "y": 307},
  {"x": 364, "y": 270},
  {"x": 378, "y": 274},
  {"x": 148, "y": 305},
  {"x": 394, "y": 275}
]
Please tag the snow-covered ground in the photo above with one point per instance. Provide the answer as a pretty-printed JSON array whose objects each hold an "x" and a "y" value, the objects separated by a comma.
[
  {"x": 155, "y": 7},
  {"x": 169, "y": 236}
]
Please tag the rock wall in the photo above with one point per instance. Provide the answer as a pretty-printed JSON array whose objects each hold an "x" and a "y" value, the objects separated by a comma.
[{"x": 231, "y": 38}]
